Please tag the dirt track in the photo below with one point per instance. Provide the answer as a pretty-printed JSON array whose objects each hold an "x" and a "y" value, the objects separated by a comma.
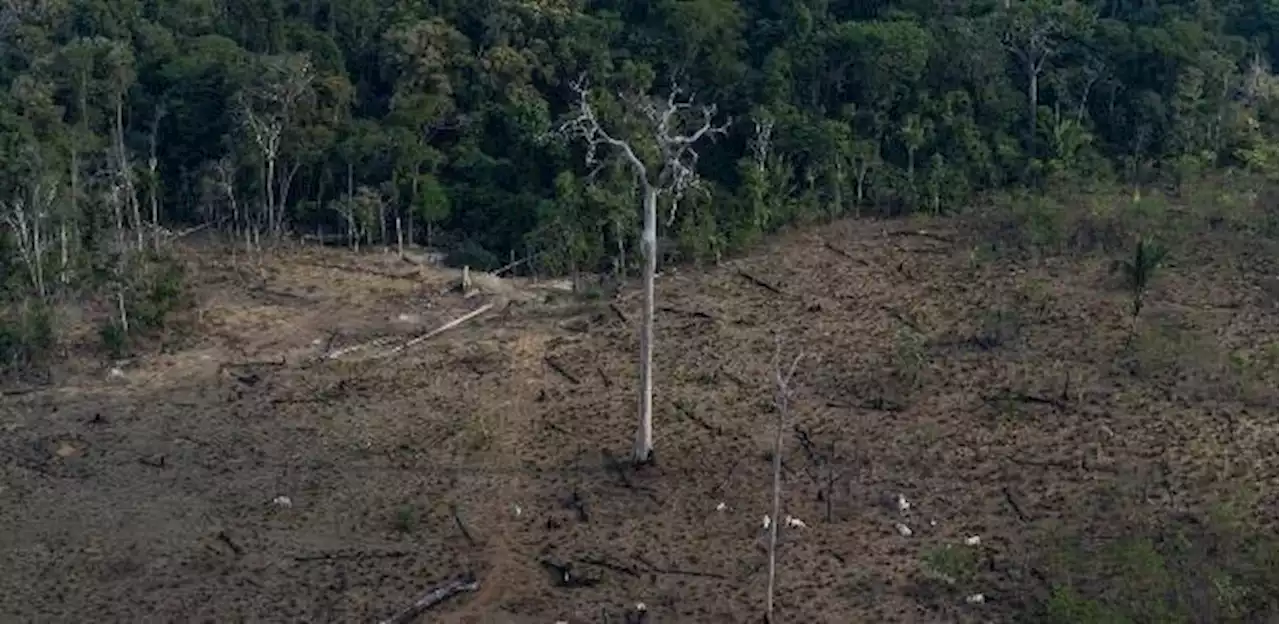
[{"x": 997, "y": 401}]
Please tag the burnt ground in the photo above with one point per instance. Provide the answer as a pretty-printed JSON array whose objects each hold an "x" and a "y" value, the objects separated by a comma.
[{"x": 1000, "y": 398}]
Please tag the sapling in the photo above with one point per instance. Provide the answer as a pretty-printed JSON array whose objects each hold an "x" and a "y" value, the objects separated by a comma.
[{"x": 1139, "y": 271}]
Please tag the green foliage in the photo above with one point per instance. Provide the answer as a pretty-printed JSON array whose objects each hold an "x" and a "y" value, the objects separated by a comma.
[
  {"x": 26, "y": 335},
  {"x": 405, "y": 519},
  {"x": 1196, "y": 571},
  {"x": 440, "y": 111},
  {"x": 951, "y": 565},
  {"x": 161, "y": 291},
  {"x": 472, "y": 254},
  {"x": 1140, "y": 268}
]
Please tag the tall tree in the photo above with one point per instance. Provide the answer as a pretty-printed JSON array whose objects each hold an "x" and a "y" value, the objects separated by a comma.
[{"x": 661, "y": 155}]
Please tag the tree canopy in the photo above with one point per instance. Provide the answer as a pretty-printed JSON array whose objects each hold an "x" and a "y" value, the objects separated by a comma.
[{"x": 289, "y": 114}]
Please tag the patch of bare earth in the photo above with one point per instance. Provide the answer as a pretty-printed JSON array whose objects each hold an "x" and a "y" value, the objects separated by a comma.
[{"x": 1000, "y": 400}]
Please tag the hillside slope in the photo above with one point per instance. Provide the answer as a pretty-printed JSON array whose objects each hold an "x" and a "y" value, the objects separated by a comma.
[{"x": 1001, "y": 399}]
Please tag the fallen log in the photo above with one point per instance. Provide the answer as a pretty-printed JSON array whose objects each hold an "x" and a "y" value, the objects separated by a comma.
[
  {"x": 434, "y": 597},
  {"x": 441, "y": 329}
]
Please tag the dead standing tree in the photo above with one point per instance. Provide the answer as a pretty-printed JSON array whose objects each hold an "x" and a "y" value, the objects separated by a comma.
[
  {"x": 268, "y": 108},
  {"x": 782, "y": 401},
  {"x": 29, "y": 222},
  {"x": 663, "y": 160}
]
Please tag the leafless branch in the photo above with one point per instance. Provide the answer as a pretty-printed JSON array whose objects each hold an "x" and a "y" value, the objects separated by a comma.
[{"x": 586, "y": 127}]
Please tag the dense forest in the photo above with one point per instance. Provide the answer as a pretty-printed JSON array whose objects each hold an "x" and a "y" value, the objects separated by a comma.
[{"x": 121, "y": 120}]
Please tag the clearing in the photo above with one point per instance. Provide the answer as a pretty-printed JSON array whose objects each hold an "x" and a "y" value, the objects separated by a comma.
[{"x": 1000, "y": 399}]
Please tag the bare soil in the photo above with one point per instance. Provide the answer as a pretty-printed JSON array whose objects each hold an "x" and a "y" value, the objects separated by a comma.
[{"x": 1001, "y": 399}]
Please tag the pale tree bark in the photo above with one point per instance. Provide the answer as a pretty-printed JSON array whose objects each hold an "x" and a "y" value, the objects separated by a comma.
[
  {"x": 673, "y": 173},
  {"x": 125, "y": 171},
  {"x": 154, "y": 180},
  {"x": 1032, "y": 34},
  {"x": 64, "y": 269},
  {"x": 267, "y": 111},
  {"x": 782, "y": 402},
  {"x": 28, "y": 218},
  {"x": 115, "y": 196}
]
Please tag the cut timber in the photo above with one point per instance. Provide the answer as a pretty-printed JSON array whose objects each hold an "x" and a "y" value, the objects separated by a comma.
[
  {"x": 434, "y": 597},
  {"x": 441, "y": 329}
]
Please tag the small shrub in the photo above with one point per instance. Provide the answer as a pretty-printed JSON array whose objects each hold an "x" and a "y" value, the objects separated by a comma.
[
  {"x": 1187, "y": 569},
  {"x": 405, "y": 519},
  {"x": 162, "y": 292},
  {"x": 114, "y": 340},
  {"x": 951, "y": 565},
  {"x": 1139, "y": 270},
  {"x": 999, "y": 326},
  {"x": 26, "y": 336}
]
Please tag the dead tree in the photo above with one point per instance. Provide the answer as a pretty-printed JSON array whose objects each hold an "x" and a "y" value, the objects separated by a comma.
[
  {"x": 153, "y": 178},
  {"x": 782, "y": 401},
  {"x": 267, "y": 110},
  {"x": 663, "y": 161},
  {"x": 29, "y": 221},
  {"x": 121, "y": 62}
]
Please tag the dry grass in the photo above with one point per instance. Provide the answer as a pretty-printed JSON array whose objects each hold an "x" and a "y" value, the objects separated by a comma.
[{"x": 998, "y": 396}]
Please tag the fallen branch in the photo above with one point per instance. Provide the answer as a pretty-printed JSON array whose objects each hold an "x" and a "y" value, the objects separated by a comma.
[
  {"x": 339, "y": 556},
  {"x": 514, "y": 265},
  {"x": 434, "y": 597},
  {"x": 761, "y": 283},
  {"x": 462, "y": 527},
  {"x": 618, "y": 312},
  {"x": 693, "y": 313},
  {"x": 683, "y": 409},
  {"x": 1017, "y": 509},
  {"x": 845, "y": 254},
  {"x": 656, "y": 569},
  {"x": 376, "y": 342},
  {"x": 616, "y": 567},
  {"x": 921, "y": 233},
  {"x": 555, "y": 366},
  {"x": 441, "y": 329}
]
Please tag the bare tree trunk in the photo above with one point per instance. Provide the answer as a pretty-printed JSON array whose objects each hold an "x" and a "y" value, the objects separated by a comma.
[
  {"x": 783, "y": 382},
  {"x": 64, "y": 273},
  {"x": 648, "y": 244},
  {"x": 38, "y": 217},
  {"x": 154, "y": 185},
  {"x": 351, "y": 210},
  {"x": 282, "y": 204},
  {"x": 382, "y": 226},
  {"x": 126, "y": 173},
  {"x": 270, "y": 190},
  {"x": 860, "y": 192},
  {"x": 121, "y": 249},
  {"x": 399, "y": 239},
  {"x": 1033, "y": 104},
  {"x": 63, "y": 277}
]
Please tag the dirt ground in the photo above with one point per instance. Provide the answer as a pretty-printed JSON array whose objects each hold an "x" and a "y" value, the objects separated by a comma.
[{"x": 997, "y": 398}]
